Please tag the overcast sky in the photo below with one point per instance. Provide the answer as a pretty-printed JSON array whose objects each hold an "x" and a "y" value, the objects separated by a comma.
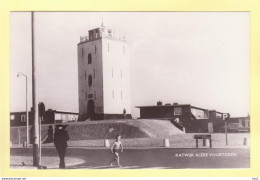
[{"x": 197, "y": 58}]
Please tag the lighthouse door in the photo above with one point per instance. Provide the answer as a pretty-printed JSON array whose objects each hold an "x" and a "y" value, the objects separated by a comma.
[{"x": 91, "y": 111}]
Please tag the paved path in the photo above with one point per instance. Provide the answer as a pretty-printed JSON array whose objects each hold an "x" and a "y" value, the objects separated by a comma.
[{"x": 147, "y": 158}]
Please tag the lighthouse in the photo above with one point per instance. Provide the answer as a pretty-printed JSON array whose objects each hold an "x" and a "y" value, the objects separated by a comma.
[{"x": 103, "y": 75}]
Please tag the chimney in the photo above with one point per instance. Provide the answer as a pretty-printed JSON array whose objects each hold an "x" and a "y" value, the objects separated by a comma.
[{"x": 159, "y": 103}]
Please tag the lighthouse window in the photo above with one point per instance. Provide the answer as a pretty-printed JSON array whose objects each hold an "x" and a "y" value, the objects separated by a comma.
[
  {"x": 95, "y": 49},
  {"x": 89, "y": 80},
  {"x": 89, "y": 59}
]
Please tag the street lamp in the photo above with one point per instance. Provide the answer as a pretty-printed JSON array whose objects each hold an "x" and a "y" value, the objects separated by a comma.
[{"x": 27, "y": 119}]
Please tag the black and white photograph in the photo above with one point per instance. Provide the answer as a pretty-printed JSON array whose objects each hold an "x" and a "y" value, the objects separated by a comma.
[{"x": 129, "y": 90}]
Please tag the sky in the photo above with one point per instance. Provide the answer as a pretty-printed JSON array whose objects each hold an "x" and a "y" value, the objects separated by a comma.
[{"x": 197, "y": 58}]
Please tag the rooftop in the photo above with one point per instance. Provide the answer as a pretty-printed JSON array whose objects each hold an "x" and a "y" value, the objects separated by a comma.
[
  {"x": 102, "y": 32},
  {"x": 159, "y": 104}
]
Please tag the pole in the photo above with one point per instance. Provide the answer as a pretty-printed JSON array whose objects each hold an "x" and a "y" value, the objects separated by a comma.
[
  {"x": 34, "y": 97},
  {"x": 27, "y": 119},
  {"x": 26, "y": 109},
  {"x": 226, "y": 133},
  {"x": 19, "y": 136},
  {"x": 40, "y": 140}
]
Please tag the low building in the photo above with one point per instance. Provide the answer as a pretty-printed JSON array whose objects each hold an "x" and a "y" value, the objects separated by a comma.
[
  {"x": 50, "y": 117},
  {"x": 193, "y": 119}
]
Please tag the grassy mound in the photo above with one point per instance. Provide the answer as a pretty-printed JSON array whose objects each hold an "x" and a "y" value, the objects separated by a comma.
[{"x": 106, "y": 129}]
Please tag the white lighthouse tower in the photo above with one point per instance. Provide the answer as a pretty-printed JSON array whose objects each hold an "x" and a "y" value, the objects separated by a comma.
[{"x": 103, "y": 75}]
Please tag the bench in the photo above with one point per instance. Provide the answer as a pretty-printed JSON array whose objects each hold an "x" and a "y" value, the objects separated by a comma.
[{"x": 203, "y": 137}]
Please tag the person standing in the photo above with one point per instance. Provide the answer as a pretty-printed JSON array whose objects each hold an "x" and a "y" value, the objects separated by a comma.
[
  {"x": 115, "y": 149},
  {"x": 60, "y": 141},
  {"x": 124, "y": 113}
]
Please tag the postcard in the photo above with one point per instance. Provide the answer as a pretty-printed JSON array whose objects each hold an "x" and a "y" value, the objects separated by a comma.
[{"x": 130, "y": 91}]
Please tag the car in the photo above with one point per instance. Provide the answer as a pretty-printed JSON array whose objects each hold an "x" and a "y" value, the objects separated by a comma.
[{"x": 243, "y": 129}]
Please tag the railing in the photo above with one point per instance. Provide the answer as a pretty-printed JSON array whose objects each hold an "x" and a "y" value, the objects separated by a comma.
[
  {"x": 178, "y": 125},
  {"x": 110, "y": 36},
  {"x": 204, "y": 137}
]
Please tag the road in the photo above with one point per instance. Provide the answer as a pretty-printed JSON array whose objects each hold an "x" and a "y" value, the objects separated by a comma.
[{"x": 162, "y": 158}]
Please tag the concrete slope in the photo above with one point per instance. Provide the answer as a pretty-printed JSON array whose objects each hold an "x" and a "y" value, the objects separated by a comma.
[{"x": 160, "y": 128}]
